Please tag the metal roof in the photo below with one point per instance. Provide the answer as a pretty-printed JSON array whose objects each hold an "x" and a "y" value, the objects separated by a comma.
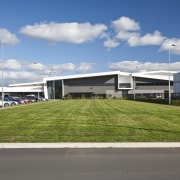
[
  {"x": 87, "y": 75},
  {"x": 26, "y": 84},
  {"x": 161, "y": 75},
  {"x": 23, "y": 89}
]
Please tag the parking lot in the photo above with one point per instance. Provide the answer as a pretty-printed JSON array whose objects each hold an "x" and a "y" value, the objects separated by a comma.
[{"x": 14, "y": 101}]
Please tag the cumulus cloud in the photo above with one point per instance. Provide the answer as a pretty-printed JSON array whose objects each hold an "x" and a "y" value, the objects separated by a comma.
[
  {"x": 129, "y": 31},
  {"x": 111, "y": 43},
  {"x": 7, "y": 37},
  {"x": 172, "y": 44},
  {"x": 34, "y": 66},
  {"x": 125, "y": 35},
  {"x": 125, "y": 24},
  {"x": 11, "y": 64},
  {"x": 148, "y": 39},
  {"x": 14, "y": 77},
  {"x": 134, "y": 66},
  {"x": 64, "y": 32},
  {"x": 123, "y": 29},
  {"x": 84, "y": 67},
  {"x": 59, "y": 68},
  {"x": 15, "y": 71}
]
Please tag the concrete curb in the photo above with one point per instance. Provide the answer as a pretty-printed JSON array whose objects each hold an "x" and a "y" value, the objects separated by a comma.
[{"x": 90, "y": 145}]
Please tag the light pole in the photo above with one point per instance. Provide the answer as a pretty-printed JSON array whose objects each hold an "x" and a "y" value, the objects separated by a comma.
[
  {"x": 38, "y": 89},
  {"x": 134, "y": 87},
  {"x": 2, "y": 75},
  {"x": 53, "y": 81},
  {"x": 170, "y": 73}
]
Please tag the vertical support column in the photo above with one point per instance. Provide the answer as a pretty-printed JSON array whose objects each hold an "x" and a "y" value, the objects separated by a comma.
[{"x": 62, "y": 89}]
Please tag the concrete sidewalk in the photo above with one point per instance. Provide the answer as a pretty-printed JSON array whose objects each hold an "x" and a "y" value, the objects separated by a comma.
[{"x": 91, "y": 145}]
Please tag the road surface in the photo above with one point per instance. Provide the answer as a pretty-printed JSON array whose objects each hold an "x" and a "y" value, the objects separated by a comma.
[{"x": 90, "y": 164}]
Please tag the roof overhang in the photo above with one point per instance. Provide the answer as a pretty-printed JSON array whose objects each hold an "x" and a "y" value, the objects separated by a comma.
[{"x": 86, "y": 75}]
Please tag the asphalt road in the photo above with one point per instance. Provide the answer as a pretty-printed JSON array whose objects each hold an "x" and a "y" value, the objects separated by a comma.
[{"x": 90, "y": 164}]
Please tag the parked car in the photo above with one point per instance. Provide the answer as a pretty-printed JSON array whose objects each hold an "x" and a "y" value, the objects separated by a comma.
[
  {"x": 31, "y": 98},
  {"x": 42, "y": 99},
  {"x": 11, "y": 100},
  {"x": 25, "y": 100},
  {"x": 19, "y": 100},
  {"x": 4, "y": 103}
]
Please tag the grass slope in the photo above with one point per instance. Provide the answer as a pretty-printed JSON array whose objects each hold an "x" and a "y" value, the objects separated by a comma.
[{"x": 90, "y": 121}]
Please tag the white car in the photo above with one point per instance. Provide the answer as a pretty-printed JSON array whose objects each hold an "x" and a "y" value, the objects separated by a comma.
[
  {"x": 4, "y": 103},
  {"x": 11, "y": 101}
]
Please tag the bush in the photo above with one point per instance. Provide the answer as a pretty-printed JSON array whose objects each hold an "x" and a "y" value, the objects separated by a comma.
[
  {"x": 150, "y": 100},
  {"x": 69, "y": 96},
  {"x": 176, "y": 102}
]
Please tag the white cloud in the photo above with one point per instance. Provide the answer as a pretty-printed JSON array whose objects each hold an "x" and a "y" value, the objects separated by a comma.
[
  {"x": 134, "y": 66},
  {"x": 11, "y": 64},
  {"x": 125, "y": 24},
  {"x": 65, "y": 32},
  {"x": 128, "y": 30},
  {"x": 84, "y": 67},
  {"x": 148, "y": 39},
  {"x": 15, "y": 71},
  {"x": 169, "y": 44},
  {"x": 111, "y": 43},
  {"x": 125, "y": 35},
  {"x": 8, "y": 38},
  {"x": 34, "y": 66},
  {"x": 123, "y": 28},
  {"x": 20, "y": 75},
  {"x": 59, "y": 68},
  {"x": 13, "y": 77}
]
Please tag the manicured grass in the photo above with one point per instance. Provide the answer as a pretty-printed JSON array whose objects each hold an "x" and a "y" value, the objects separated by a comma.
[{"x": 90, "y": 121}]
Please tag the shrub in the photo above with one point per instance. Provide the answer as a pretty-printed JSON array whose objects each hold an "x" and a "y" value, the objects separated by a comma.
[{"x": 176, "y": 102}]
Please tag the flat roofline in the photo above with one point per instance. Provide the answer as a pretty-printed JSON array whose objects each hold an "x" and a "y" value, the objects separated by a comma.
[
  {"x": 87, "y": 75},
  {"x": 24, "y": 84}
]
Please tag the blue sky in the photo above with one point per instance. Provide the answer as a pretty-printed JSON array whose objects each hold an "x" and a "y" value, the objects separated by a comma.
[{"x": 61, "y": 37}]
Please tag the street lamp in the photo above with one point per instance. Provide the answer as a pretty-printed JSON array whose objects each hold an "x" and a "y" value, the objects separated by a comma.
[
  {"x": 2, "y": 75},
  {"x": 170, "y": 73},
  {"x": 134, "y": 85},
  {"x": 53, "y": 81}
]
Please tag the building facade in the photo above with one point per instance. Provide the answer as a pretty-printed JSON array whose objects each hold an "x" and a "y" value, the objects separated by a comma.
[
  {"x": 114, "y": 84},
  {"x": 177, "y": 85}
]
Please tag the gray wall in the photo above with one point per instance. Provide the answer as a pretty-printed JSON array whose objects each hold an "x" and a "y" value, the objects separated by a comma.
[
  {"x": 152, "y": 84},
  {"x": 90, "y": 85},
  {"x": 177, "y": 84}
]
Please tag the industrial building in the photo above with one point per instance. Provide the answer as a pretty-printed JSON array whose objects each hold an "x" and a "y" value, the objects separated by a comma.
[{"x": 113, "y": 84}]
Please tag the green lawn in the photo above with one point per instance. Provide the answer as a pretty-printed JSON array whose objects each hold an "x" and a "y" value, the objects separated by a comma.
[{"x": 90, "y": 121}]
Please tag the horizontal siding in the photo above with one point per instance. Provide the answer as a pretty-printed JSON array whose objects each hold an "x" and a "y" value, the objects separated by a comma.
[{"x": 94, "y": 85}]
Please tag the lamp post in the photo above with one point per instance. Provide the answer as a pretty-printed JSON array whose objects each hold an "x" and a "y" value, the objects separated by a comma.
[
  {"x": 53, "y": 81},
  {"x": 2, "y": 74},
  {"x": 170, "y": 73},
  {"x": 134, "y": 87},
  {"x": 38, "y": 89}
]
